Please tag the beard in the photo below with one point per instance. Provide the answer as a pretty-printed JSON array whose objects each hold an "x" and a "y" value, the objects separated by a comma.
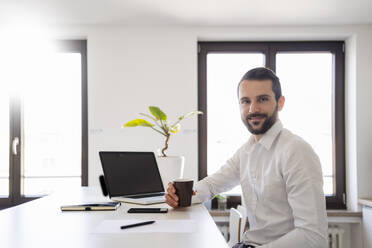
[{"x": 268, "y": 123}]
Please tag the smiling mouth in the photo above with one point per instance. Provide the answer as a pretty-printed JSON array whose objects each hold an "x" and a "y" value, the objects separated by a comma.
[
  {"x": 255, "y": 123},
  {"x": 256, "y": 118}
]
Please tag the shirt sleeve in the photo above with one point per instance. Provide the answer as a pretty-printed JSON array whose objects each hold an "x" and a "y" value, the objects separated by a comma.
[
  {"x": 304, "y": 185},
  {"x": 226, "y": 178}
]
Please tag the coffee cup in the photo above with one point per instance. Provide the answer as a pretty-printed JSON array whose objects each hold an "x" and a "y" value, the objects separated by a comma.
[{"x": 183, "y": 191}]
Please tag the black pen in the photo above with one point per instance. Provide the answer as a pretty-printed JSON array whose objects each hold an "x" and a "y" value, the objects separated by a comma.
[{"x": 137, "y": 224}]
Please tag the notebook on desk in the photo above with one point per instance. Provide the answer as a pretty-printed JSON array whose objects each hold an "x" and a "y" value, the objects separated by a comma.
[
  {"x": 132, "y": 177},
  {"x": 103, "y": 206}
]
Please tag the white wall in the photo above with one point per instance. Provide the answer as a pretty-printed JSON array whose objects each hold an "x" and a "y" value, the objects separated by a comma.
[
  {"x": 367, "y": 226},
  {"x": 130, "y": 68}
]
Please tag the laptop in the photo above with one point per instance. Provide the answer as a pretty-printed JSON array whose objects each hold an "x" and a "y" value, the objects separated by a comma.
[{"x": 132, "y": 177}]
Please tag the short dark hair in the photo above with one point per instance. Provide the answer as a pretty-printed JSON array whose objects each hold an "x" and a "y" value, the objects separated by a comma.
[{"x": 262, "y": 73}]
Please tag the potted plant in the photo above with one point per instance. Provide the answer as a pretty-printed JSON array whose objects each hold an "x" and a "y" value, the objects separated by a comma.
[
  {"x": 222, "y": 201},
  {"x": 170, "y": 167}
]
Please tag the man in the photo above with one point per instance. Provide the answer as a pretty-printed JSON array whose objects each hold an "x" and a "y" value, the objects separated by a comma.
[{"x": 279, "y": 173}]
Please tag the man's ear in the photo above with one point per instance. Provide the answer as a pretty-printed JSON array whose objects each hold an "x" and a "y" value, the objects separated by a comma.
[{"x": 281, "y": 103}]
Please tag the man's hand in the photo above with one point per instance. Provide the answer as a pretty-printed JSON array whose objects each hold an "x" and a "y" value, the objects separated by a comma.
[{"x": 171, "y": 198}]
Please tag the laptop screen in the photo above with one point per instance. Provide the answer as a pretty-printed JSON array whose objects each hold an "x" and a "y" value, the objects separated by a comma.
[{"x": 130, "y": 173}]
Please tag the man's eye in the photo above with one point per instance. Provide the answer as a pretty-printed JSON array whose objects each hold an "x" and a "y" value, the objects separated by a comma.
[
  {"x": 244, "y": 101},
  {"x": 263, "y": 99}
]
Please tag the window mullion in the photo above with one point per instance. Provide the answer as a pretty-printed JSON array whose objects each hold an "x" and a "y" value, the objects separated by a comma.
[
  {"x": 271, "y": 63},
  {"x": 15, "y": 165},
  {"x": 339, "y": 123},
  {"x": 84, "y": 98}
]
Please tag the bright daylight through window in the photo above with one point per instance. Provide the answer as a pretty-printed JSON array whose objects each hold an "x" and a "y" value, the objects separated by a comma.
[
  {"x": 43, "y": 124},
  {"x": 307, "y": 111},
  {"x": 52, "y": 127},
  {"x": 4, "y": 143},
  {"x": 226, "y": 133}
]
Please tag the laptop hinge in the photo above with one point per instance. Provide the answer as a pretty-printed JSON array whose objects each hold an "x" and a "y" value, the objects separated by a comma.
[{"x": 145, "y": 194}]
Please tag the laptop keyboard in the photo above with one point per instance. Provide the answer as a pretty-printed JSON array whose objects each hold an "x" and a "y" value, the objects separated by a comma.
[{"x": 147, "y": 195}]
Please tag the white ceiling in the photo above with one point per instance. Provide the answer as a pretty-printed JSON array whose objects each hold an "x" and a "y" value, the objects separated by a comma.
[{"x": 187, "y": 12}]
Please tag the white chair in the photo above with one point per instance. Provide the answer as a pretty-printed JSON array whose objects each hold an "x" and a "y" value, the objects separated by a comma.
[
  {"x": 244, "y": 225},
  {"x": 234, "y": 227}
]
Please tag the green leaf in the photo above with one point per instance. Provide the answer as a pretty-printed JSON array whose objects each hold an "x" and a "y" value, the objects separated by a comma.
[
  {"x": 190, "y": 114},
  {"x": 175, "y": 128},
  {"x": 149, "y": 116},
  {"x": 138, "y": 122},
  {"x": 159, "y": 115}
]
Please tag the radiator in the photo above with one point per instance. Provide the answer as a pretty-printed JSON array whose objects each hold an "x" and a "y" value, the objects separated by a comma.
[{"x": 335, "y": 234}]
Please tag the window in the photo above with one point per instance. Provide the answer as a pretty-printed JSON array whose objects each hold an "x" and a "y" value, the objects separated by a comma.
[
  {"x": 4, "y": 144},
  {"x": 45, "y": 113},
  {"x": 312, "y": 78}
]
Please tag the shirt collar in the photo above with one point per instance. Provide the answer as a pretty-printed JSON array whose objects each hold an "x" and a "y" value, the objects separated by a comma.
[{"x": 268, "y": 138}]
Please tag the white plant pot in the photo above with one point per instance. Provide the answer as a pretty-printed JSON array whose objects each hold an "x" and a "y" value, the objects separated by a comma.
[{"x": 170, "y": 168}]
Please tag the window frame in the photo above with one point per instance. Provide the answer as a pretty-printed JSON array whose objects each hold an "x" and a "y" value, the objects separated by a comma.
[
  {"x": 269, "y": 49},
  {"x": 15, "y": 125}
]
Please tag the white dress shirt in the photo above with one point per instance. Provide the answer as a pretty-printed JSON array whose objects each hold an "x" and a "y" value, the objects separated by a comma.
[{"x": 282, "y": 187}]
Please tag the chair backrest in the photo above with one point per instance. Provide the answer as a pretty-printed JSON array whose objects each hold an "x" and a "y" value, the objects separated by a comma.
[
  {"x": 234, "y": 226},
  {"x": 244, "y": 225}
]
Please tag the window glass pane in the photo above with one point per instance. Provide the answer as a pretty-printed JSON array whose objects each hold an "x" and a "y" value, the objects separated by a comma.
[
  {"x": 45, "y": 186},
  {"x": 328, "y": 185},
  {"x": 306, "y": 80},
  {"x": 52, "y": 116},
  {"x": 4, "y": 143},
  {"x": 226, "y": 132}
]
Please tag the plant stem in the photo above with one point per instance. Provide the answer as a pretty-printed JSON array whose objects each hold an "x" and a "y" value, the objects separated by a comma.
[
  {"x": 163, "y": 126},
  {"x": 166, "y": 146},
  {"x": 159, "y": 131}
]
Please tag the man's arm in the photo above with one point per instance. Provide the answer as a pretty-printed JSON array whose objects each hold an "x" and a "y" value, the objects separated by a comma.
[
  {"x": 304, "y": 184},
  {"x": 226, "y": 178}
]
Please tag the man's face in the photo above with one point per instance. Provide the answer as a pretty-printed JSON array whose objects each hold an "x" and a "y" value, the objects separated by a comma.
[{"x": 258, "y": 107}]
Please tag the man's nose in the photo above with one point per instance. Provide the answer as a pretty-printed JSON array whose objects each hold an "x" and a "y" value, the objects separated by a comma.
[{"x": 253, "y": 107}]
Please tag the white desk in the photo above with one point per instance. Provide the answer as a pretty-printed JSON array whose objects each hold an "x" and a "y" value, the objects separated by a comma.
[{"x": 41, "y": 224}]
